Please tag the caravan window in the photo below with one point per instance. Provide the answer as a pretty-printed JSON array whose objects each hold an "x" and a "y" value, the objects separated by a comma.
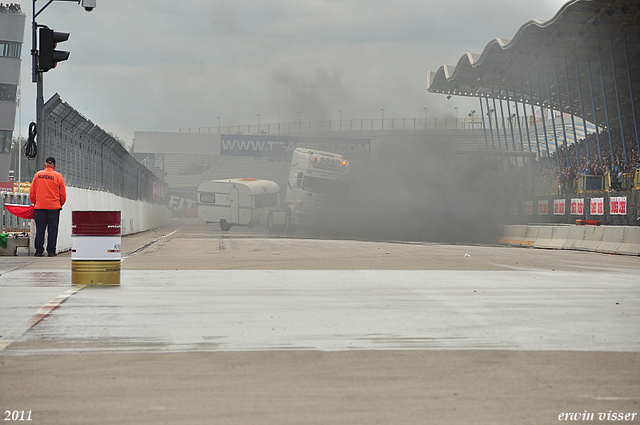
[{"x": 207, "y": 198}]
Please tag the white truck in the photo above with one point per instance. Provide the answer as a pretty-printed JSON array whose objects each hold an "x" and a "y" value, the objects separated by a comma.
[
  {"x": 317, "y": 184},
  {"x": 237, "y": 202}
]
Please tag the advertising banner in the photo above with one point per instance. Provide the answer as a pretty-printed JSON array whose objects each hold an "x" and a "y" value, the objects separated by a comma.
[
  {"x": 266, "y": 146},
  {"x": 618, "y": 205},
  {"x": 577, "y": 206},
  {"x": 543, "y": 207},
  {"x": 527, "y": 207},
  {"x": 6, "y": 186},
  {"x": 558, "y": 207},
  {"x": 159, "y": 192},
  {"x": 597, "y": 206}
]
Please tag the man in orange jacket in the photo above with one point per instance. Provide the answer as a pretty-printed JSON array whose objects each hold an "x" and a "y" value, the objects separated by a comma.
[{"x": 48, "y": 194}]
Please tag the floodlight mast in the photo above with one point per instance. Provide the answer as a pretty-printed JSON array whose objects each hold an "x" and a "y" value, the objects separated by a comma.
[{"x": 36, "y": 73}]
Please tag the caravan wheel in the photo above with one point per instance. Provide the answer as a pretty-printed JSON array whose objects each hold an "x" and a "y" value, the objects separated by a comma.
[{"x": 224, "y": 225}]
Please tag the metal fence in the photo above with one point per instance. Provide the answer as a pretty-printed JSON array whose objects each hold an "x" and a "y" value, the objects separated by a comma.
[
  {"x": 11, "y": 223},
  {"x": 375, "y": 124},
  {"x": 90, "y": 158}
]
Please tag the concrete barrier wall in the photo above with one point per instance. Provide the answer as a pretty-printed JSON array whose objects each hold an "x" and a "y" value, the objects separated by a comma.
[
  {"x": 513, "y": 235},
  {"x": 136, "y": 216},
  {"x": 531, "y": 235},
  {"x": 575, "y": 236},
  {"x": 592, "y": 238},
  {"x": 611, "y": 239},
  {"x": 630, "y": 241},
  {"x": 606, "y": 239},
  {"x": 543, "y": 239},
  {"x": 558, "y": 237}
]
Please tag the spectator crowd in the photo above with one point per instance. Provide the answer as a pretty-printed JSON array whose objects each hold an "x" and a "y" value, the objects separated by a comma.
[
  {"x": 590, "y": 163},
  {"x": 13, "y": 8}
]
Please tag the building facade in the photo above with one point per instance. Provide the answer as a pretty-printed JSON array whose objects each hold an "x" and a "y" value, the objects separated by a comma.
[{"x": 12, "y": 25}]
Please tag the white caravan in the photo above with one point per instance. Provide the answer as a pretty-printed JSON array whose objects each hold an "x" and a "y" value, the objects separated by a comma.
[{"x": 236, "y": 202}]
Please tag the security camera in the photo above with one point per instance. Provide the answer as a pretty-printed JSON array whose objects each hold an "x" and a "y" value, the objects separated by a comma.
[{"x": 88, "y": 5}]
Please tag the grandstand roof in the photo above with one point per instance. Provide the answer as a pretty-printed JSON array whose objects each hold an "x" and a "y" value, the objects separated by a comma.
[{"x": 578, "y": 40}]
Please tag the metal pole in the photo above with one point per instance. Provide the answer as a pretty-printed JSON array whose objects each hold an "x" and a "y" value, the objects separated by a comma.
[
  {"x": 544, "y": 123},
  {"x": 484, "y": 127},
  {"x": 513, "y": 137},
  {"x": 524, "y": 111},
  {"x": 535, "y": 124},
  {"x": 493, "y": 145},
  {"x": 606, "y": 109},
  {"x": 615, "y": 85},
  {"x": 573, "y": 121},
  {"x": 584, "y": 120},
  {"x": 36, "y": 77},
  {"x": 564, "y": 130},
  {"x": 19, "y": 139},
  {"x": 495, "y": 112},
  {"x": 553, "y": 122},
  {"x": 504, "y": 125},
  {"x": 595, "y": 113},
  {"x": 633, "y": 108}
]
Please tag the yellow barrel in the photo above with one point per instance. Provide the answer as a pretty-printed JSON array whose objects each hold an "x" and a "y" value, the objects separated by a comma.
[{"x": 95, "y": 273}]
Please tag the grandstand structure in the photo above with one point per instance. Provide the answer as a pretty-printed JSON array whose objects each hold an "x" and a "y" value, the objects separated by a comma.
[
  {"x": 584, "y": 63},
  {"x": 579, "y": 68}
]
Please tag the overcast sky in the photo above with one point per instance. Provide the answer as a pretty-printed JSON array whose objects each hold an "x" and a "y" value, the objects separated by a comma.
[{"x": 156, "y": 65}]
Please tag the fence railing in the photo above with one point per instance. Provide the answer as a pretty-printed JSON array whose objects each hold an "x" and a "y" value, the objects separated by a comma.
[
  {"x": 90, "y": 158},
  {"x": 371, "y": 124},
  {"x": 11, "y": 223}
]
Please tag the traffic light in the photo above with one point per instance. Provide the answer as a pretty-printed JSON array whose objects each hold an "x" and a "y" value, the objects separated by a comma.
[{"x": 48, "y": 56}]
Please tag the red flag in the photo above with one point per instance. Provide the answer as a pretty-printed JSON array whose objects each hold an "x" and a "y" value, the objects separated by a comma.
[{"x": 22, "y": 211}]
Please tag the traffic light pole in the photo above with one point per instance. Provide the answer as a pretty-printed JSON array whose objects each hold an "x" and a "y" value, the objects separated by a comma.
[{"x": 36, "y": 77}]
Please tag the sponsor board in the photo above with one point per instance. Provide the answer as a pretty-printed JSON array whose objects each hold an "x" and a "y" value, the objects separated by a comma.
[
  {"x": 577, "y": 206},
  {"x": 543, "y": 207},
  {"x": 266, "y": 146},
  {"x": 597, "y": 206},
  {"x": 558, "y": 207},
  {"x": 618, "y": 205}
]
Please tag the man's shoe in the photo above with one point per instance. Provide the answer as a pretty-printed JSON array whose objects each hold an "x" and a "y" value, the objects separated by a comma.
[
  {"x": 52, "y": 254},
  {"x": 38, "y": 254}
]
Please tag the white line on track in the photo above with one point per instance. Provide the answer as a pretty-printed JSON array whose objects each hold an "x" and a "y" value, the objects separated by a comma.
[{"x": 38, "y": 317}]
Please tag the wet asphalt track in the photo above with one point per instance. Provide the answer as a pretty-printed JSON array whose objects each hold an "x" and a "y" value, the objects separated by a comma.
[
  {"x": 190, "y": 288},
  {"x": 590, "y": 302}
]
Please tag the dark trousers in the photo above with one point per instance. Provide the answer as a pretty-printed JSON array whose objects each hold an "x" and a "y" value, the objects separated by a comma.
[{"x": 47, "y": 220}]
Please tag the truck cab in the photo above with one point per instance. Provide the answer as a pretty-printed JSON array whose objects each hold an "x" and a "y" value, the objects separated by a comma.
[{"x": 318, "y": 182}]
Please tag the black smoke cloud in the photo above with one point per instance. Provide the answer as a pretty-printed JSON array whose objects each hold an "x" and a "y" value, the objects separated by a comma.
[{"x": 422, "y": 190}]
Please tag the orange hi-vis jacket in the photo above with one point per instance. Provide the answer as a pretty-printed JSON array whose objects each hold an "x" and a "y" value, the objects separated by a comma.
[{"x": 48, "y": 191}]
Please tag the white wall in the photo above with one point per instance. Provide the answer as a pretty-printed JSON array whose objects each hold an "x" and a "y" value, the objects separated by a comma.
[{"x": 136, "y": 216}]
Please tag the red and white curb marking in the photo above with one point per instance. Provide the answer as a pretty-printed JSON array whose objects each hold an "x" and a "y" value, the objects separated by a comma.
[{"x": 38, "y": 317}]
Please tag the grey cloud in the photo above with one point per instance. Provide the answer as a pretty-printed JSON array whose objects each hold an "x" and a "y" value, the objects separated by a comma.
[{"x": 160, "y": 65}]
